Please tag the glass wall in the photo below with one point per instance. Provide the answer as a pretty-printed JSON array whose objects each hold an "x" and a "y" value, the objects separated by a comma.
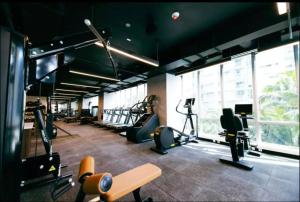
[
  {"x": 238, "y": 86},
  {"x": 88, "y": 103},
  {"x": 63, "y": 107},
  {"x": 74, "y": 107},
  {"x": 125, "y": 98},
  {"x": 269, "y": 80},
  {"x": 237, "y": 82},
  {"x": 278, "y": 96},
  {"x": 210, "y": 101}
]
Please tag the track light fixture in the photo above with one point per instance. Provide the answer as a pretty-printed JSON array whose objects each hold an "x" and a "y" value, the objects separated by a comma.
[{"x": 93, "y": 75}]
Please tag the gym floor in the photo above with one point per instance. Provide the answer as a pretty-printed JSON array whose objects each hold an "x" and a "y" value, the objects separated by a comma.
[{"x": 189, "y": 173}]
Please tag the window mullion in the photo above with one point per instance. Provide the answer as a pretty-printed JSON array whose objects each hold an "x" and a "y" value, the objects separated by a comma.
[
  {"x": 255, "y": 100},
  {"x": 221, "y": 86},
  {"x": 296, "y": 58},
  {"x": 198, "y": 101}
]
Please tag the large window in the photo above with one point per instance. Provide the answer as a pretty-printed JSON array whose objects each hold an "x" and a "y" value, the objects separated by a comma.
[
  {"x": 210, "y": 101},
  {"x": 277, "y": 96},
  {"x": 238, "y": 85},
  {"x": 125, "y": 98},
  {"x": 74, "y": 107},
  {"x": 237, "y": 82},
  {"x": 88, "y": 103},
  {"x": 188, "y": 82},
  {"x": 268, "y": 80}
]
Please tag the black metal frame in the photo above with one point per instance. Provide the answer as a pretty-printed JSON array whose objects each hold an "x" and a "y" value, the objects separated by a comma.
[
  {"x": 232, "y": 125},
  {"x": 34, "y": 169},
  {"x": 189, "y": 117},
  {"x": 11, "y": 116}
]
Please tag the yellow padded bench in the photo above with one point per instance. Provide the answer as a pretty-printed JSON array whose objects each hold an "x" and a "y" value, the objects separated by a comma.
[{"x": 112, "y": 188}]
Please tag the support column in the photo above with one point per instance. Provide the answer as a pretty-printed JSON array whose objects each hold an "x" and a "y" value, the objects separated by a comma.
[
  {"x": 79, "y": 106},
  {"x": 100, "y": 106},
  {"x": 166, "y": 87},
  {"x": 157, "y": 86}
]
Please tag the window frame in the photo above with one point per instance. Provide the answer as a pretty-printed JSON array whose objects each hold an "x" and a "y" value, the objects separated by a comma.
[{"x": 257, "y": 123}]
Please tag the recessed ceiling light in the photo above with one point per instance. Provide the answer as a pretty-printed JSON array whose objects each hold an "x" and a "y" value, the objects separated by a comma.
[
  {"x": 127, "y": 25},
  {"x": 51, "y": 44},
  {"x": 103, "y": 45},
  {"x": 175, "y": 15},
  {"x": 42, "y": 51},
  {"x": 33, "y": 52},
  {"x": 61, "y": 42},
  {"x": 128, "y": 39},
  {"x": 103, "y": 31}
]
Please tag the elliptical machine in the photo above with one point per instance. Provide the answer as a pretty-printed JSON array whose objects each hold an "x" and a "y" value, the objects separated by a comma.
[
  {"x": 164, "y": 136},
  {"x": 141, "y": 130}
]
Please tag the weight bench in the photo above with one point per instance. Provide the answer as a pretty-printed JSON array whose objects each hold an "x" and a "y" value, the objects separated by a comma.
[{"x": 113, "y": 188}]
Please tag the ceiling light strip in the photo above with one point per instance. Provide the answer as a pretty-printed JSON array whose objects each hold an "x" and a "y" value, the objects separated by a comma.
[
  {"x": 62, "y": 96},
  {"x": 73, "y": 84},
  {"x": 93, "y": 75},
  {"x": 132, "y": 56},
  {"x": 66, "y": 94},
  {"x": 80, "y": 91}
]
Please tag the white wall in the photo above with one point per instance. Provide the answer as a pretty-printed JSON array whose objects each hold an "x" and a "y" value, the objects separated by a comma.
[{"x": 173, "y": 97}]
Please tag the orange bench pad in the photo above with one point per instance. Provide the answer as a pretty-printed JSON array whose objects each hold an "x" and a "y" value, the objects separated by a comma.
[
  {"x": 131, "y": 180},
  {"x": 87, "y": 166}
]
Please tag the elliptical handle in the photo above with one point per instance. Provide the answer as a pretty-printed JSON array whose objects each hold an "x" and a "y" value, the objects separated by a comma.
[{"x": 178, "y": 110}]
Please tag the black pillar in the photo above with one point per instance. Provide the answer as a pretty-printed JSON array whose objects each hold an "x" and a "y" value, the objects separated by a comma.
[{"x": 11, "y": 112}]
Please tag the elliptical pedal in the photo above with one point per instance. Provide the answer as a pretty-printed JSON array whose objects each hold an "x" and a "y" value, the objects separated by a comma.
[{"x": 253, "y": 153}]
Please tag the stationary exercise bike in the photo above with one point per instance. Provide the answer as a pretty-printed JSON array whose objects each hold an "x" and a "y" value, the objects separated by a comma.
[
  {"x": 164, "y": 136},
  {"x": 244, "y": 110},
  {"x": 235, "y": 136}
]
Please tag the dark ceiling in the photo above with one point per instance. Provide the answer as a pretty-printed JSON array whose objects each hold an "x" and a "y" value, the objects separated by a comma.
[{"x": 175, "y": 44}]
